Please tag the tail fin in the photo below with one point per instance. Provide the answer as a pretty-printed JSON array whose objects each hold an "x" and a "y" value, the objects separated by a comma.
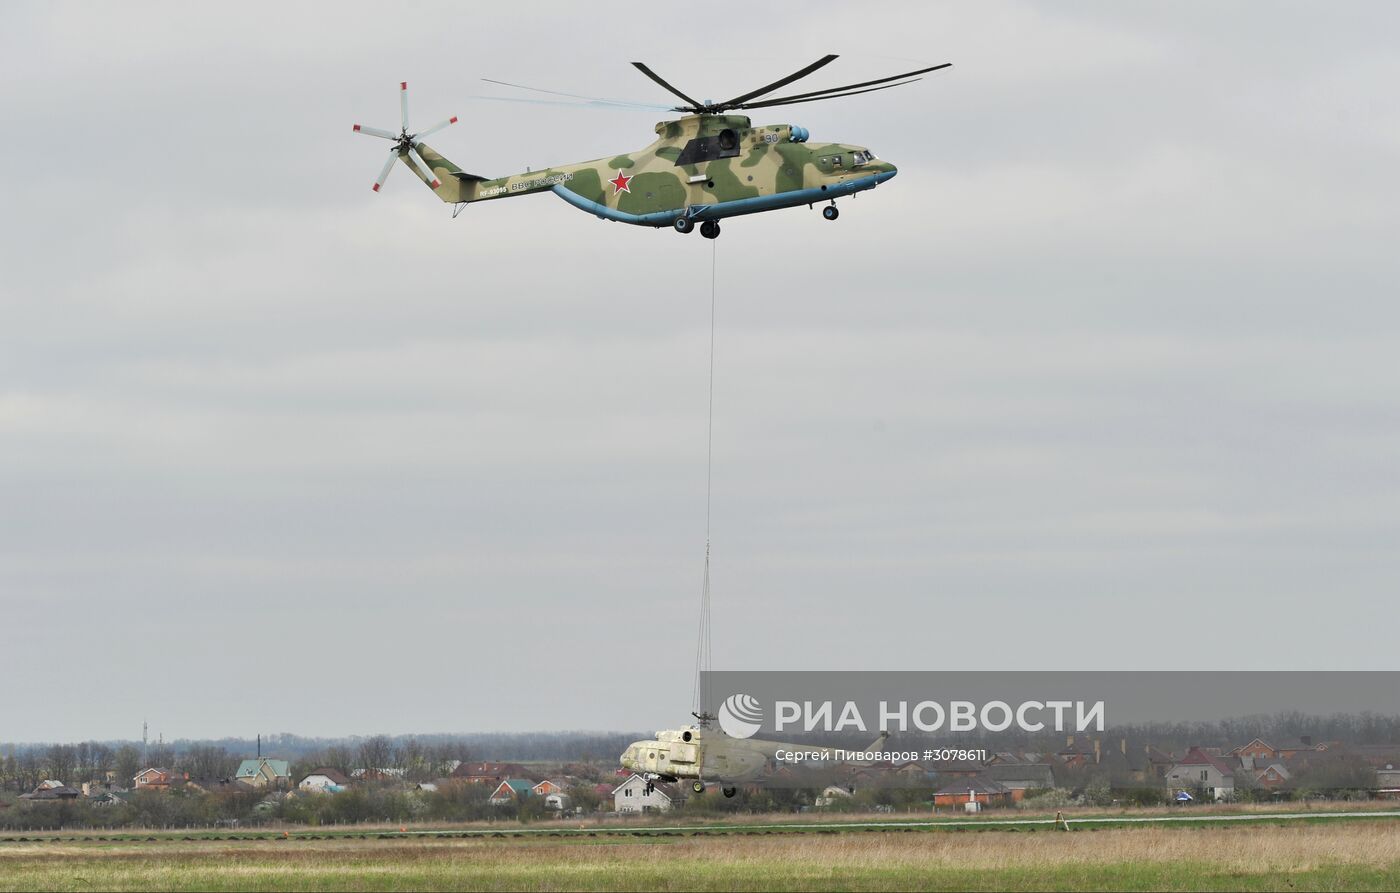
[{"x": 456, "y": 185}]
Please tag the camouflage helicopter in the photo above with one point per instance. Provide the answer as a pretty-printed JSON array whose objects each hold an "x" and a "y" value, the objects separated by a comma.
[
  {"x": 701, "y": 751},
  {"x": 703, "y": 167}
]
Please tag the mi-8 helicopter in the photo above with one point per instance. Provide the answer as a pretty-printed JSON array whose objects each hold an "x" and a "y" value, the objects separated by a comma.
[
  {"x": 703, "y": 167},
  {"x": 703, "y": 751}
]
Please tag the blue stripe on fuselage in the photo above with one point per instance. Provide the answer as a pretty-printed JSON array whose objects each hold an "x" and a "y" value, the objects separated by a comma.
[{"x": 720, "y": 210}]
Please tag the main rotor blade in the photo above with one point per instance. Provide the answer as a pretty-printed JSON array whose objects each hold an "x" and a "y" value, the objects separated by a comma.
[
  {"x": 596, "y": 100},
  {"x": 818, "y": 93},
  {"x": 797, "y": 100},
  {"x": 824, "y": 60},
  {"x": 388, "y": 166},
  {"x": 435, "y": 128},
  {"x": 576, "y": 103},
  {"x": 426, "y": 171},
  {"x": 656, "y": 77},
  {"x": 375, "y": 131},
  {"x": 403, "y": 104}
]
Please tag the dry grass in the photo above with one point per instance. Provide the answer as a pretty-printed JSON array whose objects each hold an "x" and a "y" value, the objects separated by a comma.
[{"x": 1355, "y": 855}]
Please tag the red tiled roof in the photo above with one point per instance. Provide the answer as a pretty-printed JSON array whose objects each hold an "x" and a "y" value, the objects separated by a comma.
[{"x": 1197, "y": 757}]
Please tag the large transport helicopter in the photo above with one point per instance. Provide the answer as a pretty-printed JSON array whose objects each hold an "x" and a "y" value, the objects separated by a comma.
[
  {"x": 702, "y": 751},
  {"x": 703, "y": 167}
]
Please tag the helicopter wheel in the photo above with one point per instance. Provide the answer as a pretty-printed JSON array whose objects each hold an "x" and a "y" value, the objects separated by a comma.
[
  {"x": 698, "y": 787},
  {"x": 831, "y": 212},
  {"x": 684, "y": 224},
  {"x": 730, "y": 790},
  {"x": 710, "y": 229}
]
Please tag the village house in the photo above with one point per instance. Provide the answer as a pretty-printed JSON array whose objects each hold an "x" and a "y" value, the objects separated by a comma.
[
  {"x": 939, "y": 770},
  {"x": 547, "y": 787},
  {"x": 1258, "y": 750},
  {"x": 1289, "y": 750},
  {"x": 1159, "y": 762},
  {"x": 264, "y": 773},
  {"x": 1019, "y": 778},
  {"x": 324, "y": 781},
  {"x": 1005, "y": 757},
  {"x": 635, "y": 796},
  {"x": 51, "y": 789},
  {"x": 379, "y": 775},
  {"x": 155, "y": 779},
  {"x": 1205, "y": 770},
  {"x": 487, "y": 772},
  {"x": 218, "y": 786},
  {"x": 1079, "y": 752},
  {"x": 511, "y": 790},
  {"x": 972, "y": 794},
  {"x": 1274, "y": 775}
]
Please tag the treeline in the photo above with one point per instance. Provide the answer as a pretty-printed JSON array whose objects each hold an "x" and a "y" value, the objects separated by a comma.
[
  {"x": 424, "y": 757},
  {"x": 371, "y": 804},
  {"x": 421, "y": 757},
  {"x": 383, "y": 804},
  {"x": 1277, "y": 729}
]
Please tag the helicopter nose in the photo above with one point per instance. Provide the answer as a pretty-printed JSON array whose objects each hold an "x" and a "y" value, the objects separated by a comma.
[
  {"x": 629, "y": 757},
  {"x": 884, "y": 171}
]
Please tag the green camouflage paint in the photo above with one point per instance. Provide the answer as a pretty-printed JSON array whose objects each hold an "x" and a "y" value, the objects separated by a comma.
[{"x": 768, "y": 163}]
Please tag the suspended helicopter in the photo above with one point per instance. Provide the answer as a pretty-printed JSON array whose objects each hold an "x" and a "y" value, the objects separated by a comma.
[
  {"x": 706, "y": 166},
  {"x": 701, "y": 751}
]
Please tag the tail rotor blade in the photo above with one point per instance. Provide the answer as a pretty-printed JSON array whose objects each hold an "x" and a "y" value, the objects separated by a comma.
[
  {"x": 375, "y": 131},
  {"x": 388, "y": 166},
  {"x": 403, "y": 104},
  {"x": 426, "y": 171},
  {"x": 435, "y": 128}
]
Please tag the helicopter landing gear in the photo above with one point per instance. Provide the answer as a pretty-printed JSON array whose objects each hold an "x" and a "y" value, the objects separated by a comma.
[
  {"x": 710, "y": 229},
  {"x": 649, "y": 789},
  {"x": 697, "y": 786},
  {"x": 831, "y": 212},
  {"x": 730, "y": 790},
  {"x": 684, "y": 224}
]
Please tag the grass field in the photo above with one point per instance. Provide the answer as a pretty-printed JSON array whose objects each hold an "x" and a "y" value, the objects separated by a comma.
[{"x": 1361, "y": 854}]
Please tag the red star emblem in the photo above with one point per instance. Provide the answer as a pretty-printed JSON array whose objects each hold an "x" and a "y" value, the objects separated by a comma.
[{"x": 619, "y": 183}]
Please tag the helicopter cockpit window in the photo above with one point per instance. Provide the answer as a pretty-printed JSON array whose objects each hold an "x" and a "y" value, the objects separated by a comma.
[{"x": 724, "y": 144}]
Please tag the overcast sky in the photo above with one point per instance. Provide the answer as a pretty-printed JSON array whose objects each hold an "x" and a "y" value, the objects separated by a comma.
[{"x": 1106, "y": 377}]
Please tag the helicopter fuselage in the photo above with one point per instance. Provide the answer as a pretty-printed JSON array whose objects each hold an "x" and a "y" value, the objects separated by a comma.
[
  {"x": 700, "y": 168},
  {"x": 703, "y": 751}
]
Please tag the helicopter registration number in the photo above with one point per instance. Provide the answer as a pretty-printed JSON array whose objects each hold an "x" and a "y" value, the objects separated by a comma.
[{"x": 522, "y": 185}]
